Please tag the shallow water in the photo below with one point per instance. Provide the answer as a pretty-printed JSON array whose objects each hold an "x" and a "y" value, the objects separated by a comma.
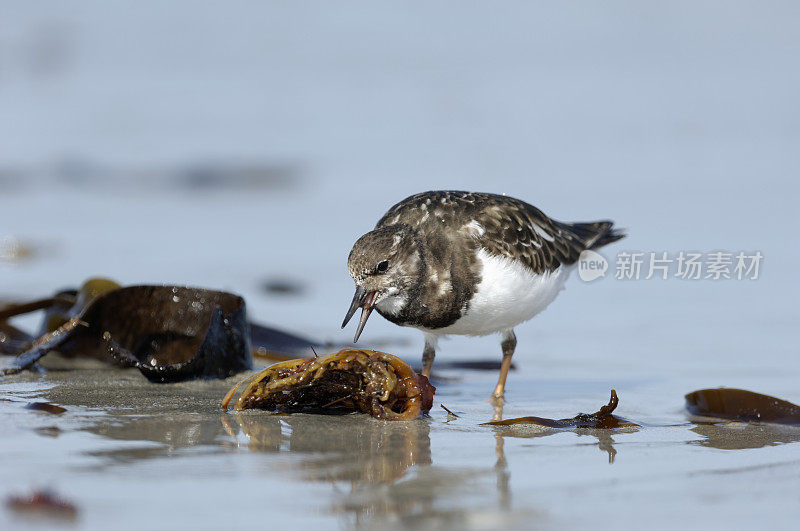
[
  {"x": 134, "y": 454},
  {"x": 255, "y": 145}
]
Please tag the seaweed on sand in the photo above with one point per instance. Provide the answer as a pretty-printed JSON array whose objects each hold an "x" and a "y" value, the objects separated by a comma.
[
  {"x": 170, "y": 333},
  {"x": 366, "y": 381}
]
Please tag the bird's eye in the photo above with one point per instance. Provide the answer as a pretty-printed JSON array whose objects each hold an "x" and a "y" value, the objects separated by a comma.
[{"x": 382, "y": 267}]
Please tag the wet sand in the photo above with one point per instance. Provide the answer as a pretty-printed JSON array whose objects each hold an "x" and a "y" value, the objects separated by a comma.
[{"x": 132, "y": 454}]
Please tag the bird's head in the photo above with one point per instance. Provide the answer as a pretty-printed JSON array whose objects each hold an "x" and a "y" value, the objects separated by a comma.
[{"x": 384, "y": 264}]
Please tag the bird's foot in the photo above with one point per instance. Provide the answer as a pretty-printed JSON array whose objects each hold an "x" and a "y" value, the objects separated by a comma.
[{"x": 499, "y": 392}]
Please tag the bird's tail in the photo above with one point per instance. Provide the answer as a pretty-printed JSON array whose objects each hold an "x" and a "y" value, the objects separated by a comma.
[{"x": 596, "y": 234}]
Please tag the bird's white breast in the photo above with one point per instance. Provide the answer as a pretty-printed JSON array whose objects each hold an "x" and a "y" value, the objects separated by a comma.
[{"x": 508, "y": 294}]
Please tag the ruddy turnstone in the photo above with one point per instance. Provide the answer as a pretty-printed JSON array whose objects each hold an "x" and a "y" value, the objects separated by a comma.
[{"x": 449, "y": 262}]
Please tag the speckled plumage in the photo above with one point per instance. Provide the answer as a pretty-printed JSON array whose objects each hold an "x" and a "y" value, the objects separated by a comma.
[
  {"x": 424, "y": 262},
  {"x": 508, "y": 227}
]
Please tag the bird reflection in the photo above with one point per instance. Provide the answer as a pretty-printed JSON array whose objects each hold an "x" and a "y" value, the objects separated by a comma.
[
  {"x": 497, "y": 403},
  {"x": 503, "y": 474},
  {"x": 605, "y": 439},
  {"x": 606, "y": 443}
]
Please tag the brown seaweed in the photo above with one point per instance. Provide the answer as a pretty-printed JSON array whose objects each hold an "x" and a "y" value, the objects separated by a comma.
[
  {"x": 43, "y": 503},
  {"x": 449, "y": 413},
  {"x": 12, "y": 310},
  {"x": 601, "y": 419},
  {"x": 60, "y": 316},
  {"x": 267, "y": 342},
  {"x": 12, "y": 339},
  {"x": 41, "y": 346},
  {"x": 46, "y": 407},
  {"x": 169, "y": 333},
  {"x": 743, "y": 405},
  {"x": 366, "y": 381},
  {"x": 279, "y": 345}
]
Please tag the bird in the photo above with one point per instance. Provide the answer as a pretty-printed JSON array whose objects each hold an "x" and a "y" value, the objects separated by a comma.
[{"x": 466, "y": 263}]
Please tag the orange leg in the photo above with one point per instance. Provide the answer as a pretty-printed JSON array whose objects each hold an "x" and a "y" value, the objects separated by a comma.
[{"x": 508, "y": 345}]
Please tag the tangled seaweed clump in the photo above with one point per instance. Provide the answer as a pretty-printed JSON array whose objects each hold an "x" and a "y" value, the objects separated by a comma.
[{"x": 351, "y": 380}]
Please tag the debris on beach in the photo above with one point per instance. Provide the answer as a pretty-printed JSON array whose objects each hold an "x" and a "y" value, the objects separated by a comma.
[
  {"x": 42, "y": 503},
  {"x": 41, "y": 346},
  {"x": 742, "y": 405},
  {"x": 601, "y": 419},
  {"x": 278, "y": 345},
  {"x": 12, "y": 339},
  {"x": 449, "y": 413},
  {"x": 351, "y": 380},
  {"x": 46, "y": 407},
  {"x": 283, "y": 287},
  {"x": 473, "y": 365},
  {"x": 48, "y": 431},
  {"x": 63, "y": 313},
  {"x": 68, "y": 304},
  {"x": 15, "y": 250},
  {"x": 170, "y": 333},
  {"x": 173, "y": 333}
]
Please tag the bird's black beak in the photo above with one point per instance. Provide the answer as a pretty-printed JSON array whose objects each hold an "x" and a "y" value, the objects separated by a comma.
[{"x": 365, "y": 300}]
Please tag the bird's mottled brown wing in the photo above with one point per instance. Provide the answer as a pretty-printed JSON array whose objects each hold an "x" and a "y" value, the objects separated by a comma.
[
  {"x": 504, "y": 226},
  {"x": 515, "y": 229}
]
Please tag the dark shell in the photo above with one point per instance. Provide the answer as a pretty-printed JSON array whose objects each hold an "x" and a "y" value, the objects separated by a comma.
[{"x": 169, "y": 333}]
